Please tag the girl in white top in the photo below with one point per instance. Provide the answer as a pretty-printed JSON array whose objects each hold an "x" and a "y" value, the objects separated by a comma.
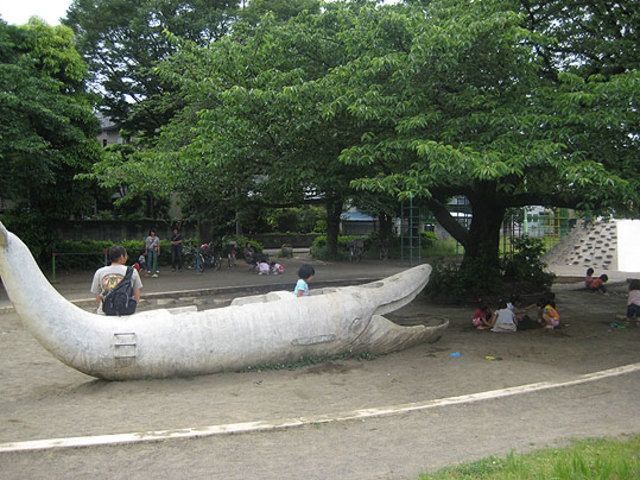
[{"x": 505, "y": 319}]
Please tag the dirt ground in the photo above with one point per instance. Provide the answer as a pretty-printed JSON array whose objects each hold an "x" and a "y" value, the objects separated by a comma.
[{"x": 42, "y": 398}]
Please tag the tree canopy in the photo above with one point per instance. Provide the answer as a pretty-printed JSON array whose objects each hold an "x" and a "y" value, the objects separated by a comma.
[
  {"x": 123, "y": 42},
  {"x": 47, "y": 124},
  {"x": 509, "y": 103}
]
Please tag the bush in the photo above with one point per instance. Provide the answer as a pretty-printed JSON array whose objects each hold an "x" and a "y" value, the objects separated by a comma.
[
  {"x": 428, "y": 239},
  {"x": 242, "y": 242},
  {"x": 90, "y": 254},
  {"x": 33, "y": 231},
  {"x": 298, "y": 220},
  {"x": 449, "y": 283},
  {"x": 520, "y": 274},
  {"x": 526, "y": 264},
  {"x": 319, "y": 247}
]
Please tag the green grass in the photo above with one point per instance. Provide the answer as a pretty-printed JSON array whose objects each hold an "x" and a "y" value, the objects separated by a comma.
[{"x": 601, "y": 459}]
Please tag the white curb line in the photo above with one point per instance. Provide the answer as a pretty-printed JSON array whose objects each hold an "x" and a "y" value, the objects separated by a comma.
[{"x": 261, "y": 426}]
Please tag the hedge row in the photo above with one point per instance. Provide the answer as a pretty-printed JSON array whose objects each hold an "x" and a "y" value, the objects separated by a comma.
[{"x": 91, "y": 254}]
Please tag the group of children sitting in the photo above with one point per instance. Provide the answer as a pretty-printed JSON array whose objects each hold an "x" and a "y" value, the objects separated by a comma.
[
  {"x": 511, "y": 316},
  {"x": 269, "y": 268}
]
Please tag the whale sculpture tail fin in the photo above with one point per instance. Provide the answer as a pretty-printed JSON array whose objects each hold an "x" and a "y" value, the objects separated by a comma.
[{"x": 4, "y": 236}]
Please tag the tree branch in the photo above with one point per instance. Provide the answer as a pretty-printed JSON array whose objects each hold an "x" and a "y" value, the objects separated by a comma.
[{"x": 450, "y": 224}]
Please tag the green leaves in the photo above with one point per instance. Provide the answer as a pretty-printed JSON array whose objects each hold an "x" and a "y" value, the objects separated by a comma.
[{"x": 47, "y": 126}]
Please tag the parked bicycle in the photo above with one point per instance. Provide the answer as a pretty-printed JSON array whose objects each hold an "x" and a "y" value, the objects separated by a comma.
[
  {"x": 211, "y": 256},
  {"x": 206, "y": 256}
]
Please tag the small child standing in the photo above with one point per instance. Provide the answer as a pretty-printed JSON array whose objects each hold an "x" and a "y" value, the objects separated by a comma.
[
  {"x": 633, "y": 301},
  {"x": 305, "y": 274}
]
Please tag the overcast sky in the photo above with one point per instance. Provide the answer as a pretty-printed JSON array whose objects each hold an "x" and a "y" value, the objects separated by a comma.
[{"x": 19, "y": 11}]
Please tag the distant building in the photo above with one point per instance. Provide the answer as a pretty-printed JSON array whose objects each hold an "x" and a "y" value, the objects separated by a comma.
[
  {"x": 109, "y": 131},
  {"x": 354, "y": 222}
]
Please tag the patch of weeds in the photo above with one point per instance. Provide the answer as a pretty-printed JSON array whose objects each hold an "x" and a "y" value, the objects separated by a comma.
[{"x": 306, "y": 361}]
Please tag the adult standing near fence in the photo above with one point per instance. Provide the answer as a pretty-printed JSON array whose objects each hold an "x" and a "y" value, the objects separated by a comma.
[
  {"x": 107, "y": 278},
  {"x": 176, "y": 250},
  {"x": 152, "y": 248}
]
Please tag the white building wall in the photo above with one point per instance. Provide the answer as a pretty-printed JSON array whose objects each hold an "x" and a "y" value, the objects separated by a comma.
[{"x": 628, "y": 245}]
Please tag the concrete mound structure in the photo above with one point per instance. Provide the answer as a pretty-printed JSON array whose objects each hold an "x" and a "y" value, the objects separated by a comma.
[{"x": 609, "y": 244}]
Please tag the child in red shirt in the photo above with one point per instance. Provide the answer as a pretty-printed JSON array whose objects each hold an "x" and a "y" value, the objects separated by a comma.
[{"x": 597, "y": 284}]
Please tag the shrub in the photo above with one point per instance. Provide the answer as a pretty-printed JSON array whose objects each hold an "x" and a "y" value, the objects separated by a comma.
[
  {"x": 319, "y": 247},
  {"x": 242, "y": 242},
  {"x": 428, "y": 239},
  {"x": 521, "y": 273},
  {"x": 298, "y": 220},
  {"x": 33, "y": 231},
  {"x": 449, "y": 283},
  {"x": 90, "y": 254}
]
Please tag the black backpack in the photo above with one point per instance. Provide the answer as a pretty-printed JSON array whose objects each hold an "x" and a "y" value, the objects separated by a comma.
[{"x": 120, "y": 301}]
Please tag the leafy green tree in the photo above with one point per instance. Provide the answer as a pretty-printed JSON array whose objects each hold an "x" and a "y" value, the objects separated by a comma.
[
  {"x": 475, "y": 103},
  {"x": 426, "y": 100},
  {"x": 280, "y": 9},
  {"x": 47, "y": 125},
  {"x": 254, "y": 127},
  {"x": 123, "y": 42}
]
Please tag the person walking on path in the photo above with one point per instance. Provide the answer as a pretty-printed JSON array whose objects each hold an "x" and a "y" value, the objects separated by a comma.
[
  {"x": 152, "y": 248},
  {"x": 176, "y": 250},
  {"x": 107, "y": 278}
]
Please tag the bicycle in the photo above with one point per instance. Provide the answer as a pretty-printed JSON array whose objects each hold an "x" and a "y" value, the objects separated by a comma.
[
  {"x": 211, "y": 256},
  {"x": 197, "y": 261}
]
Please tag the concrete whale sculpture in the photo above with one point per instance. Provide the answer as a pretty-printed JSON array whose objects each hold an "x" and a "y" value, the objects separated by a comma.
[{"x": 255, "y": 330}]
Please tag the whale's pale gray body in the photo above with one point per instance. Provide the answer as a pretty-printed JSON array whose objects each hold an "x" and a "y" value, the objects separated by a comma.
[{"x": 264, "y": 329}]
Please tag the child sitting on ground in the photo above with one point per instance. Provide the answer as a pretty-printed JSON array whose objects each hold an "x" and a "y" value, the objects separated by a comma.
[
  {"x": 588, "y": 279},
  {"x": 263, "y": 267},
  {"x": 597, "y": 284},
  {"x": 276, "y": 268},
  {"x": 550, "y": 315},
  {"x": 505, "y": 319},
  {"x": 305, "y": 274},
  {"x": 633, "y": 302},
  {"x": 141, "y": 264},
  {"x": 483, "y": 317}
]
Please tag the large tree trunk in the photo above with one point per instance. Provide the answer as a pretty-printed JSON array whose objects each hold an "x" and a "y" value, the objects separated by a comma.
[
  {"x": 481, "y": 246},
  {"x": 334, "y": 209}
]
